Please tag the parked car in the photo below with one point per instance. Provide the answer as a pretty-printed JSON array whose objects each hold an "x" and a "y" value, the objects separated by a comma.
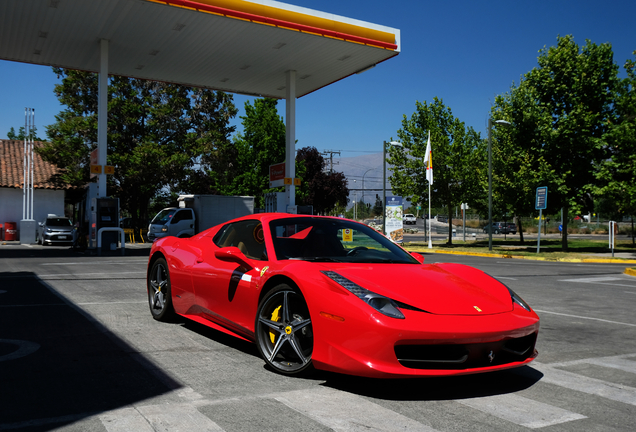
[
  {"x": 409, "y": 219},
  {"x": 56, "y": 230},
  {"x": 512, "y": 228},
  {"x": 499, "y": 228},
  {"x": 309, "y": 290}
]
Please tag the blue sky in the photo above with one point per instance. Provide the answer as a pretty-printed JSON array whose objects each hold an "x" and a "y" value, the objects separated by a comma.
[{"x": 464, "y": 52}]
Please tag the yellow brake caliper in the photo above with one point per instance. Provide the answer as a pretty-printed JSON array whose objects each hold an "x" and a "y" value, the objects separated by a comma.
[{"x": 275, "y": 317}]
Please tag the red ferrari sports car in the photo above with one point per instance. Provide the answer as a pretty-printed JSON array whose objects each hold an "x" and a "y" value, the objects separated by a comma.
[{"x": 333, "y": 294}]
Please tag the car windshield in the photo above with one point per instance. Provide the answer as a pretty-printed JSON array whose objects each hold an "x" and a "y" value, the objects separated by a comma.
[
  {"x": 58, "y": 222},
  {"x": 333, "y": 240},
  {"x": 163, "y": 216}
]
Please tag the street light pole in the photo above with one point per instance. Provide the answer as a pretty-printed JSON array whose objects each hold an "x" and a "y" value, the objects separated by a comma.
[
  {"x": 370, "y": 169},
  {"x": 355, "y": 203},
  {"x": 490, "y": 122},
  {"x": 384, "y": 143}
]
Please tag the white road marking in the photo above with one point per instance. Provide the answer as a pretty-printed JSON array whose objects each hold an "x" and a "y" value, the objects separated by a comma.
[
  {"x": 24, "y": 349},
  {"x": 92, "y": 263},
  {"x": 600, "y": 281},
  {"x": 593, "y": 386},
  {"x": 620, "y": 362},
  {"x": 153, "y": 418},
  {"x": 591, "y": 280},
  {"x": 583, "y": 317},
  {"x": 87, "y": 274},
  {"x": 503, "y": 277},
  {"x": 522, "y": 411},
  {"x": 344, "y": 412}
]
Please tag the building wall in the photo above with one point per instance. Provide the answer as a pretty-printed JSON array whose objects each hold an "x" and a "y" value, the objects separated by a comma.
[{"x": 45, "y": 201}]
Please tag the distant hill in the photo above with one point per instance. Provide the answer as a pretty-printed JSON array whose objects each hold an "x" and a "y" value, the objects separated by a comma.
[{"x": 366, "y": 167}]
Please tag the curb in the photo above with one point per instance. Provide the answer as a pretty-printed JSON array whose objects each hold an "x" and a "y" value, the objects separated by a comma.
[
  {"x": 509, "y": 256},
  {"x": 630, "y": 271}
]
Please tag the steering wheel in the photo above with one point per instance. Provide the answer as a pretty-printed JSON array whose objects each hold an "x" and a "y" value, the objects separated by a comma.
[{"x": 355, "y": 250}]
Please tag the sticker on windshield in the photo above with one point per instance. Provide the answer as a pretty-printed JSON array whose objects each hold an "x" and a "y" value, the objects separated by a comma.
[{"x": 347, "y": 235}]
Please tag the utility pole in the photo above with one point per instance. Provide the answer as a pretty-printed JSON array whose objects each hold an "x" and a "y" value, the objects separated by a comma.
[{"x": 331, "y": 153}]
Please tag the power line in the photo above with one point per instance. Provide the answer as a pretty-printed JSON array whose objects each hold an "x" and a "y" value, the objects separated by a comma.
[{"x": 331, "y": 153}]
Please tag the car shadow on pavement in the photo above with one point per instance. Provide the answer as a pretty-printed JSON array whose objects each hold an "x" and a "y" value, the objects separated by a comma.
[
  {"x": 57, "y": 366},
  {"x": 438, "y": 388}
]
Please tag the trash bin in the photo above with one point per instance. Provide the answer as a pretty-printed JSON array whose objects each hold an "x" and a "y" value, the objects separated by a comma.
[
  {"x": 10, "y": 231},
  {"x": 454, "y": 233}
]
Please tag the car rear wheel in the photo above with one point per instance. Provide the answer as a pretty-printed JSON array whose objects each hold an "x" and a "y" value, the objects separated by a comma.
[
  {"x": 159, "y": 292},
  {"x": 284, "y": 334}
]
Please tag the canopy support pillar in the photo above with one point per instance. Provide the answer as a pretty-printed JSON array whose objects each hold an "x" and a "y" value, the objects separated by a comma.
[
  {"x": 102, "y": 117},
  {"x": 290, "y": 136}
]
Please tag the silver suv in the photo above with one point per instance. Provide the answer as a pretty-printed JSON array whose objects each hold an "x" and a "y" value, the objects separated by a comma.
[{"x": 56, "y": 230}]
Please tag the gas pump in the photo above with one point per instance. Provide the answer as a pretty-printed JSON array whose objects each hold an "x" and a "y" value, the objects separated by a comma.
[{"x": 104, "y": 214}]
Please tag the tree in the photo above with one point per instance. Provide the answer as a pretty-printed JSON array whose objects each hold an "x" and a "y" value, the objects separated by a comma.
[
  {"x": 616, "y": 175},
  {"x": 574, "y": 89},
  {"x": 516, "y": 158},
  {"x": 157, "y": 133},
  {"x": 21, "y": 135},
  {"x": 321, "y": 190},
  {"x": 261, "y": 144},
  {"x": 377, "y": 207},
  {"x": 453, "y": 147}
]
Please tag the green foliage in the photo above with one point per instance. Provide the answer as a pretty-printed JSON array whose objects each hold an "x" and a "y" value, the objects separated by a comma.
[
  {"x": 377, "y": 207},
  {"x": 616, "y": 174},
  {"x": 261, "y": 144},
  {"x": 560, "y": 113},
  {"x": 158, "y": 133},
  {"x": 33, "y": 134},
  {"x": 453, "y": 155},
  {"x": 321, "y": 190}
]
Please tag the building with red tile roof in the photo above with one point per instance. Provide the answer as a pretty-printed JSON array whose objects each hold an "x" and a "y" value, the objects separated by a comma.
[{"x": 48, "y": 189}]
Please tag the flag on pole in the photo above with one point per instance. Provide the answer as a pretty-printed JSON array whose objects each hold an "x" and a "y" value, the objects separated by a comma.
[{"x": 428, "y": 160}]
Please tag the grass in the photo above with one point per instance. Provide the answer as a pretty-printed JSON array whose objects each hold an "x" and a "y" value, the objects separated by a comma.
[{"x": 551, "y": 249}]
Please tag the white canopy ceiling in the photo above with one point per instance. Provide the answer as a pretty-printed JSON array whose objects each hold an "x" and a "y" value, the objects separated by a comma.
[{"x": 232, "y": 45}]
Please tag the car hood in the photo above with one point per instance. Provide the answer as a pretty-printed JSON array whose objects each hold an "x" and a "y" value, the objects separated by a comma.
[{"x": 443, "y": 289}]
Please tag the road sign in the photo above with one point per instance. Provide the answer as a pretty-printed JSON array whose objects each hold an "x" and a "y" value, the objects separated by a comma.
[
  {"x": 560, "y": 227},
  {"x": 541, "y": 200}
]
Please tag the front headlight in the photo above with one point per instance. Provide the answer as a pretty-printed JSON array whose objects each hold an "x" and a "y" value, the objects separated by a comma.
[
  {"x": 382, "y": 304},
  {"x": 519, "y": 300},
  {"x": 164, "y": 228}
]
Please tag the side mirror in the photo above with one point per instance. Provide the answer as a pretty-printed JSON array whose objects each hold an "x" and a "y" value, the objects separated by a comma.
[
  {"x": 418, "y": 257},
  {"x": 233, "y": 254}
]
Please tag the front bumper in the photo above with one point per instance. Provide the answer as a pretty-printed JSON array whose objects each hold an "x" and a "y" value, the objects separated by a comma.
[
  {"x": 425, "y": 344},
  {"x": 58, "y": 238}
]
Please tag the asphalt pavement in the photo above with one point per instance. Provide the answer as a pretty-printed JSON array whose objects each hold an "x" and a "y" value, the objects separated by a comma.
[{"x": 79, "y": 351}]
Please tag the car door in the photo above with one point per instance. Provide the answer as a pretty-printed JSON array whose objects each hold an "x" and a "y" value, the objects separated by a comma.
[
  {"x": 182, "y": 223},
  {"x": 227, "y": 290}
]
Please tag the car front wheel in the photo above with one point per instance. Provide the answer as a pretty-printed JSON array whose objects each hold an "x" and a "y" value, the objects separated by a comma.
[
  {"x": 284, "y": 334},
  {"x": 159, "y": 292}
]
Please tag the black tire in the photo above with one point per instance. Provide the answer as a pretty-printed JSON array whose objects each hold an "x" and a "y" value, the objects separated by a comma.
[
  {"x": 159, "y": 292},
  {"x": 284, "y": 335}
]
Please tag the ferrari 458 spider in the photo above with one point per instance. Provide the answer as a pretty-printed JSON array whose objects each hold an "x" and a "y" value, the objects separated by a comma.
[{"x": 333, "y": 294}]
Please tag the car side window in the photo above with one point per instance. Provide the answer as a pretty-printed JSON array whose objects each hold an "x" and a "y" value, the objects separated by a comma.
[
  {"x": 247, "y": 235},
  {"x": 182, "y": 215}
]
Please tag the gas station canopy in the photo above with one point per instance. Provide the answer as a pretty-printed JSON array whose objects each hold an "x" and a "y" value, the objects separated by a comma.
[{"x": 236, "y": 46}]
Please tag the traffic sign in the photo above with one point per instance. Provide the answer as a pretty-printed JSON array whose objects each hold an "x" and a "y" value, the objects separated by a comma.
[{"x": 541, "y": 200}]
